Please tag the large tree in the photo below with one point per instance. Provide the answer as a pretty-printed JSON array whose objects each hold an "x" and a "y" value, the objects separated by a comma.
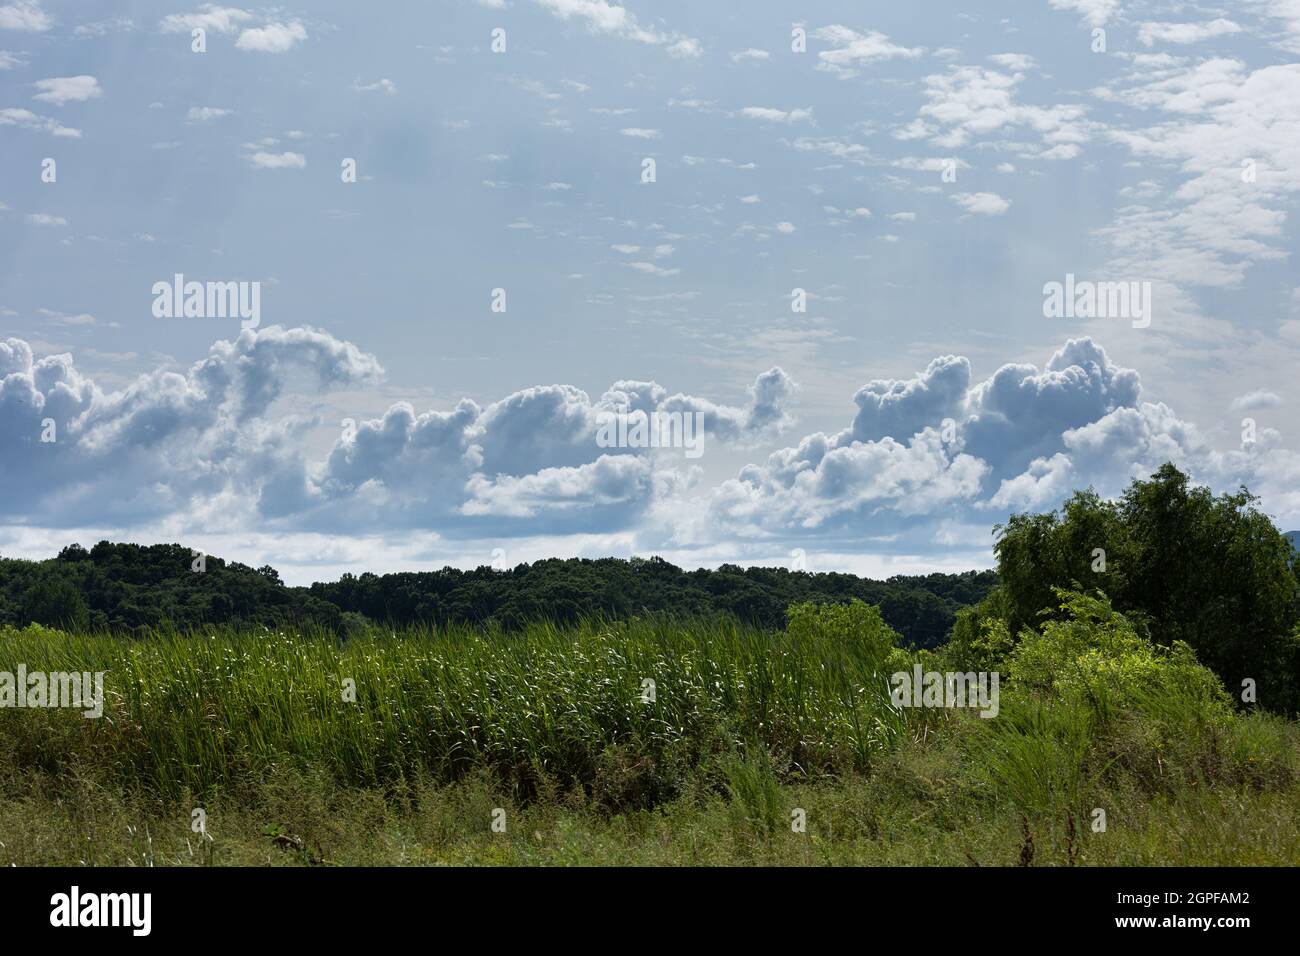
[{"x": 1192, "y": 566}]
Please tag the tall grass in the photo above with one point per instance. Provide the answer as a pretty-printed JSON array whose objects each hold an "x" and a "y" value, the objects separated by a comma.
[
  {"x": 188, "y": 712},
  {"x": 398, "y": 748}
]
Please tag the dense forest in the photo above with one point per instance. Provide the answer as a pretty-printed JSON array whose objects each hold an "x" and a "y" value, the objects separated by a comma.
[{"x": 125, "y": 587}]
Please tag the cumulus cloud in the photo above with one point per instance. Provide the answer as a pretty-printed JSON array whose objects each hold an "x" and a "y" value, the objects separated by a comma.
[
  {"x": 1255, "y": 400},
  {"x": 164, "y": 441},
  {"x": 983, "y": 204},
  {"x": 1096, "y": 12},
  {"x": 534, "y": 454},
  {"x": 903, "y": 408},
  {"x": 1020, "y": 413},
  {"x": 209, "y": 16},
  {"x": 818, "y": 486},
  {"x": 601, "y": 16},
  {"x": 923, "y": 457},
  {"x": 272, "y": 38},
  {"x": 934, "y": 441},
  {"x": 969, "y": 102},
  {"x": 1044, "y": 484},
  {"x": 1018, "y": 62},
  {"x": 68, "y": 89},
  {"x": 170, "y": 443},
  {"x": 854, "y": 50},
  {"x": 610, "y": 480}
]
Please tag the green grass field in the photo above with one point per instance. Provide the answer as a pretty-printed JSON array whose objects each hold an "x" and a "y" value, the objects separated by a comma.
[{"x": 548, "y": 746}]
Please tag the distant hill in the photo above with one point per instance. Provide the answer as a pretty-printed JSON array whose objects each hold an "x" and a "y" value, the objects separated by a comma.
[
  {"x": 1294, "y": 538},
  {"x": 124, "y": 587}
]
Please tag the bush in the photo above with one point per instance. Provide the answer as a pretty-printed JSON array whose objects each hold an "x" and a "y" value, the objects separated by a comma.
[{"x": 1095, "y": 653}]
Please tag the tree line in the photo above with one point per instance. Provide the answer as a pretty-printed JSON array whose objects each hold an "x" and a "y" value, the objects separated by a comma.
[{"x": 123, "y": 587}]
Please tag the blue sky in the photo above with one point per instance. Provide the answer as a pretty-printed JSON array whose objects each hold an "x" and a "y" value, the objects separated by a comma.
[{"x": 921, "y": 396}]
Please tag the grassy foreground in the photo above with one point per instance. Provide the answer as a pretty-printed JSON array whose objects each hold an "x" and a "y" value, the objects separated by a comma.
[{"x": 298, "y": 749}]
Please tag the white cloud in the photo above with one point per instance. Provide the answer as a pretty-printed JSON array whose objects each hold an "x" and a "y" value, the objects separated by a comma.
[
  {"x": 984, "y": 204},
  {"x": 62, "y": 318},
  {"x": 182, "y": 436},
  {"x": 210, "y": 17},
  {"x": 1208, "y": 120},
  {"x": 101, "y": 28},
  {"x": 534, "y": 454},
  {"x": 638, "y": 133},
  {"x": 968, "y": 102},
  {"x": 935, "y": 442},
  {"x": 602, "y": 16},
  {"x": 272, "y": 38},
  {"x": 209, "y": 448},
  {"x": 1287, "y": 12},
  {"x": 26, "y": 119},
  {"x": 68, "y": 89},
  {"x": 1096, "y": 12},
  {"x": 205, "y": 114},
  {"x": 750, "y": 54},
  {"x": 854, "y": 50},
  {"x": 686, "y": 48},
  {"x": 287, "y": 160},
  {"x": 25, "y": 15},
  {"x": 45, "y": 219},
  {"x": 770, "y": 115},
  {"x": 650, "y": 268},
  {"x": 1256, "y": 400},
  {"x": 1150, "y": 33},
  {"x": 1016, "y": 62},
  {"x": 382, "y": 85}
]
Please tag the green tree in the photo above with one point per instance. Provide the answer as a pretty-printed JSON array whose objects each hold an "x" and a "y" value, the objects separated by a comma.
[
  {"x": 1183, "y": 563},
  {"x": 55, "y": 602}
]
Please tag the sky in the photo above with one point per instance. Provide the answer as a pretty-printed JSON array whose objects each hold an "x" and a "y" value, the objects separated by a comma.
[{"x": 477, "y": 232}]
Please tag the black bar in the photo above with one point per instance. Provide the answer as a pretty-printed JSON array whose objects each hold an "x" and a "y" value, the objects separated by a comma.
[{"x": 332, "y": 906}]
